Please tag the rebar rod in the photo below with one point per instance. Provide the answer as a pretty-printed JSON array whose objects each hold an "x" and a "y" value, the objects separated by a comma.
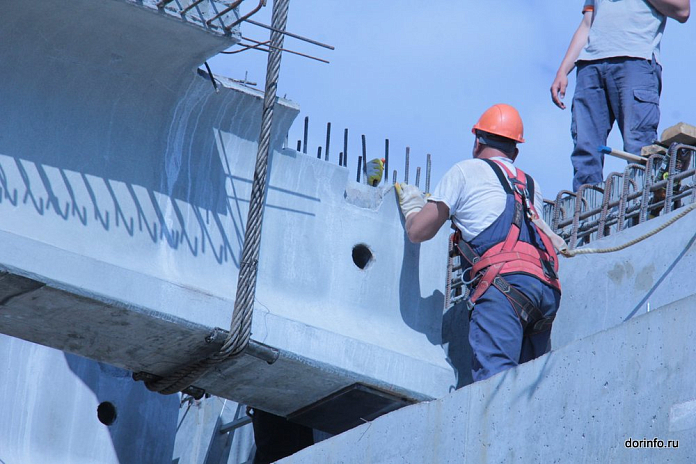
[
  {"x": 386, "y": 161},
  {"x": 328, "y": 141},
  {"x": 306, "y": 133},
  {"x": 408, "y": 155},
  {"x": 427, "y": 173}
]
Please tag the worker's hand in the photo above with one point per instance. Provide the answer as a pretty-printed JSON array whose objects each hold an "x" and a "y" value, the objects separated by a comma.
[
  {"x": 411, "y": 199},
  {"x": 374, "y": 169},
  {"x": 558, "y": 89}
]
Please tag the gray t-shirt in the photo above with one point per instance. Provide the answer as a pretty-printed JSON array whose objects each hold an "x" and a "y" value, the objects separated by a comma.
[{"x": 623, "y": 28}]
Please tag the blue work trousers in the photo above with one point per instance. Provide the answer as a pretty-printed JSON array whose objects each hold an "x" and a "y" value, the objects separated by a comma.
[
  {"x": 496, "y": 336},
  {"x": 626, "y": 90}
]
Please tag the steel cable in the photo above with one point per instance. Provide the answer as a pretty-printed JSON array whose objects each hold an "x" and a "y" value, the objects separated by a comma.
[
  {"x": 240, "y": 326},
  {"x": 585, "y": 251}
]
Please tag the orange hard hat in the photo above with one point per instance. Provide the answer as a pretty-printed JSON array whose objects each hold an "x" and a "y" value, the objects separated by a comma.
[{"x": 502, "y": 120}]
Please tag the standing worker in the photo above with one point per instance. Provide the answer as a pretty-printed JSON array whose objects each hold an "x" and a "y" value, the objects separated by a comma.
[
  {"x": 514, "y": 290},
  {"x": 616, "y": 50}
]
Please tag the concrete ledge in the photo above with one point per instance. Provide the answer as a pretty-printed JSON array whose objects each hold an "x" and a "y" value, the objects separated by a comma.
[
  {"x": 578, "y": 404},
  {"x": 601, "y": 291}
]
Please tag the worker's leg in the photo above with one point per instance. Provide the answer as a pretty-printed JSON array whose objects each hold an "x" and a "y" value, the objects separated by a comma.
[
  {"x": 637, "y": 84},
  {"x": 495, "y": 335},
  {"x": 591, "y": 123},
  {"x": 548, "y": 300}
]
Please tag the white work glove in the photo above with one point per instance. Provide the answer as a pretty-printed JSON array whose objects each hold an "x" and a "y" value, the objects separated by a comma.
[{"x": 411, "y": 199}]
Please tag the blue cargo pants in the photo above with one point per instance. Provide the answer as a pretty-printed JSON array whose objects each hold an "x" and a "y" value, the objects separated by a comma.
[
  {"x": 495, "y": 331},
  {"x": 626, "y": 90}
]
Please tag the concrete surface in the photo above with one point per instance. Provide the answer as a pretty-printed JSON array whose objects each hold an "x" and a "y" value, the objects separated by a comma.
[
  {"x": 577, "y": 404},
  {"x": 603, "y": 290},
  {"x": 49, "y": 414},
  {"x": 124, "y": 186},
  {"x": 124, "y": 192}
]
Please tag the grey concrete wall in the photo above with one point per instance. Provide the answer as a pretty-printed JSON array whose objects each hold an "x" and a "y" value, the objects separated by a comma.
[
  {"x": 603, "y": 290},
  {"x": 49, "y": 410},
  {"x": 577, "y": 404},
  {"x": 49, "y": 414},
  {"x": 124, "y": 188}
]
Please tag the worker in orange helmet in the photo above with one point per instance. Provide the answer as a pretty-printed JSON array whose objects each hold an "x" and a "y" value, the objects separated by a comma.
[{"x": 508, "y": 250}]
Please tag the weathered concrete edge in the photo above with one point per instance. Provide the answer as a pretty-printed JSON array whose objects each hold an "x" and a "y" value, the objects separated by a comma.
[{"x": 596, "y": 399}]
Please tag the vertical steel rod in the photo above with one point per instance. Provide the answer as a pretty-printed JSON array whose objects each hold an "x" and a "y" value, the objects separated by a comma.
[
  {"x": 328, "y": 141},
  {"x": 364, "y": 155},
  {"x": 418, "y": 177},
  {"x": 319, "y": 152},
  {"x": 427, "y": 173},
  {"x": 299, "y": 145},
  {"x": 386, "y": 160},
  {"x": 669, "y": 189},
  {"x": 306, "y": 131},
  {"x": 345, "y": 147},
  {"x": 408, "y": 155},
  {"x": 359, "y": 168},
  {"x": 394, "y": 178},
  {"x": 340, "y": 158}
]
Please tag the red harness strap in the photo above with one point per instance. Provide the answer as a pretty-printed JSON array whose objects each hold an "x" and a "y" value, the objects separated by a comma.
[{"x": 513, "y": 255}]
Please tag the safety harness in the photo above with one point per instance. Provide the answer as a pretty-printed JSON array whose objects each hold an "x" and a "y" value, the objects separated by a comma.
[{"x": 513, "y": 255}]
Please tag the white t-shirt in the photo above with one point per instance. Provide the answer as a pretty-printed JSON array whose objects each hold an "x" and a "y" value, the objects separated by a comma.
[
  {"x": 472, "y": 192},
  {"x": 631, "y": 28}
]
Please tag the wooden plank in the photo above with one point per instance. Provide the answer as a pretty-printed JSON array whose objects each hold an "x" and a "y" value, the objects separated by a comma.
[{"x": 680, "y": 133}]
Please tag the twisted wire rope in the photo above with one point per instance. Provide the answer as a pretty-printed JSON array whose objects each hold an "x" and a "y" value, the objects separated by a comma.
[{"x": 240, "y": 326}]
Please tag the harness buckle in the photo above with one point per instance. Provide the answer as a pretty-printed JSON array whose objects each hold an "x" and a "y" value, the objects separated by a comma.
[
  {"x": 469, "y": 304},
  {"x": 516, "y": 185},
  {"x": 469, "y": 282},
  {"x": 548, "y": 269}
]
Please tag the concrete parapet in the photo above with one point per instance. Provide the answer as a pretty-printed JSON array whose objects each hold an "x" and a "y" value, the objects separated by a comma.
[
  {"x": 601, "y": 291},
  {"x": 582, "y": 403}
]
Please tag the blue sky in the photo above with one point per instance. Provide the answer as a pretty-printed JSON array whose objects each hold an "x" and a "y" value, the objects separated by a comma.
[{"x": 420, "y": 73}]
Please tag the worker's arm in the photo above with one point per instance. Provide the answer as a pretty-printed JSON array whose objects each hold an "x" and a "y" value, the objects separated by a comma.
[
  {"x": 422, "y": 219},
  {"x": 577, "y": 43},
  {"x": 424, "y": 224},
  {"x": 675, "y": 9}
]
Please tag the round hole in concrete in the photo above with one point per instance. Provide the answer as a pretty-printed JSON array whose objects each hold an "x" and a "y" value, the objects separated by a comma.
[
  {"x": 106, "y": 413},
  {"x": 362, "y": 255}
]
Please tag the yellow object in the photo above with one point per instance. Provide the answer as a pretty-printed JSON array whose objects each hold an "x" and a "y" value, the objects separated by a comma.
[{"x": 374, "y": 170}]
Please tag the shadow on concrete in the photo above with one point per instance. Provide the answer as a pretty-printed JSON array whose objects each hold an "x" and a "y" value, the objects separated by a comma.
[
  {"x": 134, "y": 209},
  {"x": 146, "y": 422},
  {"x": 423, "y": 315},
  {"x": 455, "y": 338},
  {"x": 670, "y": 268},
  {"x": 167, "y": 163}
]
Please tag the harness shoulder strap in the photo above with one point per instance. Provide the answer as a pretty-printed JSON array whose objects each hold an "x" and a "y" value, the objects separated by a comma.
[
  {"x": 530, "y": 187},
  {"x": 501, "y": 176}
]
